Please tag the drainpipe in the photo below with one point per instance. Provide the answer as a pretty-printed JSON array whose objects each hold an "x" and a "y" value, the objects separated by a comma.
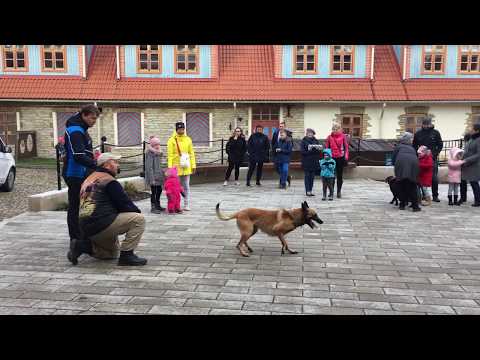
[
  {"x": 372, "y": 63},
  {"x": 384, "y": 105},
  {"x": 84, "y": 62},
  {"x": 117, "y": 56},
  {"x": 404, "y": 75}
]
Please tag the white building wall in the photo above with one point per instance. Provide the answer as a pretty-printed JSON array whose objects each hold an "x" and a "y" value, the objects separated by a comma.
[{"x": 449, "y": 119}]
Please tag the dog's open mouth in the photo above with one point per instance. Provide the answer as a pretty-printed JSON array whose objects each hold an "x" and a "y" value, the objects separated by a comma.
[{"x": 312, "y": 224}]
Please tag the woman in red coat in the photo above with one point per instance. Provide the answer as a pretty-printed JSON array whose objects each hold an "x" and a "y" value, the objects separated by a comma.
[
  {"x": 425, "y": 162},
  {"x": 337, "y": 141}
]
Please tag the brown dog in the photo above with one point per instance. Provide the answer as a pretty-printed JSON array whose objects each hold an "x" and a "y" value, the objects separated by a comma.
[{"x": 272, "y": 222}]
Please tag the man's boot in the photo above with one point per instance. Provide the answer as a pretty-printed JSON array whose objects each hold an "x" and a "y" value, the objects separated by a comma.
[
  {"x": 128, "y": 258},
  {"x": 339, "y": 190},
  {"x": 77, "y": 248},
  {"x": 450, "y": 202},
  {"x": 455, "y": 200},
  {"x": 436, "y": 199},
  {"x": 153, "y": 209},
  {"x": 289, "y": 180}
]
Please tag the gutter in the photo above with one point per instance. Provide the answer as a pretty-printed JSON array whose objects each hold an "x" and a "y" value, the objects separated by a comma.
[
  {"x": 239, "y": 102},
  {"x": 117, "y": 60}
]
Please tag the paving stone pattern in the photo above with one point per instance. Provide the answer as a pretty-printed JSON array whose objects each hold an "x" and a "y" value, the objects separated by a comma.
[{"x": 367, "y": 258}]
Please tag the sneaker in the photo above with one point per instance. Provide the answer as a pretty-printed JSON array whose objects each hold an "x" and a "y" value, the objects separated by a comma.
[
  {"x": 128, "y": 258},
  {"x": 416, "y": 209},
  {"x": 258, "y": 183},
  {"x": 180, "y": 211},
  {"x": 185, "y": 208},
  {"x": 324, "y": 198},
  {"x": 436, "y": 199},
  {"x": 330, "y": 198},
  {"x": 248, "y": 184},
  {"x": 225, "y": 183},
  {"x": 237, "y": 183}
]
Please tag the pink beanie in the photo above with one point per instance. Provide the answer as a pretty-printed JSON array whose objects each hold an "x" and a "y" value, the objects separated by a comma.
[{"x": 154, "y": 141}]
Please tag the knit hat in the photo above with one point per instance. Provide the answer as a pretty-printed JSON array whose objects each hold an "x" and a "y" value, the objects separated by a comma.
[
  {"x": 310, "y": 130},
  {"x": 154, "y": 141},
  {"x": 179, "y": 125},
  {"x": 423, "y": 150},
  {"x": 328, "y": 152},
  {"x": 406, "y": 138}
]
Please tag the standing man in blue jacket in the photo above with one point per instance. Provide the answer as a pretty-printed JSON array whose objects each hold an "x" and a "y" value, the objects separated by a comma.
[
  {"x": 79, "y": 161},
  {"x": 275, "y": 140}
]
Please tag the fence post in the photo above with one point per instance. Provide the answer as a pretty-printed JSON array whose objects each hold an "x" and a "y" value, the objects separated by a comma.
[
  {"x": 102, "y": 144},
  {"x": 358, "y": 152},
  {"x": 59, "y": 180},
  {"x": 222, "y": 151}
]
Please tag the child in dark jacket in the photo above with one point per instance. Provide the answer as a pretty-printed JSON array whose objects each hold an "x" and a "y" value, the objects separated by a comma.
[
  {"x": 174, "y": 190},
  {"x": 425, "y": 163},
  {"x": 283, "y": 152},
  {"x": 154, "y": 173},
  {"x": 327, "y": 171}
]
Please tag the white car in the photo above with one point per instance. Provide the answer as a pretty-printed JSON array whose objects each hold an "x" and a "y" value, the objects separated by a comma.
[{"x": 7, "y": 167}]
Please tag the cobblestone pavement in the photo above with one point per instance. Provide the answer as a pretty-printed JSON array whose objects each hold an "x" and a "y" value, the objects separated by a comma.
[
  {"x": 28, "y": 182},
  {"x": 367, "y": 258}
]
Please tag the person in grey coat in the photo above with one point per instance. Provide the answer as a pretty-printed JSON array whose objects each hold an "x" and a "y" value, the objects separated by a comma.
[
  {"x": 471, "y": 167},
  {"x": 405, "y": 160},
  {"x": 154, "y": 174}
]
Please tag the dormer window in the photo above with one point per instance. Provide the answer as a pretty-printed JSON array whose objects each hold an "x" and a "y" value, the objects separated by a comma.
[
  {"x": 342, "y": 59},
  {"x": 305, "y": 59},
  {"x": 148, "y": 58},
  {"x": 469, "y": 59},
  {"x": 433, "y": 59},
  {"x": 186, "y": 59},
  {"x": 14, "y": 57},
  {"x": 53, "y": 58}
]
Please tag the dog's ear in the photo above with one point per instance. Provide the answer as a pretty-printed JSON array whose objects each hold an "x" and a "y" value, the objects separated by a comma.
[{"x": 304, "y": 205}]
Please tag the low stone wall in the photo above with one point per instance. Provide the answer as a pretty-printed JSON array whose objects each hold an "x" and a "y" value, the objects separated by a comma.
[{"x": 55, "y": 199}]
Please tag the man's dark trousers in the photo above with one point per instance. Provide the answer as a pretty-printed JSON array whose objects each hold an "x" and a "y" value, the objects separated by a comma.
[
  {"x": 74, "y": 185},
  {"x": 251, "y": 169}
]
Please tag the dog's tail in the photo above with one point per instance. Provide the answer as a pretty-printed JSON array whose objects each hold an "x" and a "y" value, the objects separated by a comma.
[{"x": 221, "y": 216}]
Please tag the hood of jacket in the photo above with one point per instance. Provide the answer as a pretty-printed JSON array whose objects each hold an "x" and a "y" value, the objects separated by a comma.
[
  {"x": 308, "y": 140},
  {"x": 76, "y": 120},
  {"x": 454, "y": 152},
  {"x": 328, "y": 152}
]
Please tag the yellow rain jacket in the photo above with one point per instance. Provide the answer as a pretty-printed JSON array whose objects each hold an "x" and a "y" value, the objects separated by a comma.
[{"x": 173, "y": 157}]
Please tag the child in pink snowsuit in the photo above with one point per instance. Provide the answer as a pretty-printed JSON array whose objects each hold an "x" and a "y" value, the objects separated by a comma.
[
  {"x": 173, "y": 189},
  {"x": 455, "y": 163}
]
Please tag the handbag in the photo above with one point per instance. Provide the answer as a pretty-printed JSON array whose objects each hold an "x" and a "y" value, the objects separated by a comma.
[{"x": 184, "y": 157}]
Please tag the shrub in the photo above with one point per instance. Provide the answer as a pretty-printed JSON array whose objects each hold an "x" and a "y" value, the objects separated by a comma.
[{"x": 130, "y": 189}]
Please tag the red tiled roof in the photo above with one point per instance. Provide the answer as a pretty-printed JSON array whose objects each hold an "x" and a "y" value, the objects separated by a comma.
[{"x": 246, "y": 72}]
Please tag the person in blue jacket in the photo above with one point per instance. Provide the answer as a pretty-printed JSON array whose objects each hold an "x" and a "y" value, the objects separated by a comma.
[
  {"x": 79, "y": 161},
  {"x": 275, "y": 140},
  {"x": 327, "y": 171},
  {"x": 283, "y": 151}
]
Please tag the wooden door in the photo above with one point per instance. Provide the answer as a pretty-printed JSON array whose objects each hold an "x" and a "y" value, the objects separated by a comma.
[
  {"x": 267, "y": 116},
  {"x": 8, "y": 128}
]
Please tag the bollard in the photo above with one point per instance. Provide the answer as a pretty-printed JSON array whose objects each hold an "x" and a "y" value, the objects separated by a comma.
[
  {"x": 59, "y": 180},
  {"x": 222, "y": 151},
  {"x": 102, "y": 144}
]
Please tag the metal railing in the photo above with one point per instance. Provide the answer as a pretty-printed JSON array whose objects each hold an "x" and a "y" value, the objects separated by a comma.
[{"x": 362, "y": 151}]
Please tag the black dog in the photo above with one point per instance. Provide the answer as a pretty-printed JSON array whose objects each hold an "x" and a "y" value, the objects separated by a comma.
[{"x": 394, "y": 188}]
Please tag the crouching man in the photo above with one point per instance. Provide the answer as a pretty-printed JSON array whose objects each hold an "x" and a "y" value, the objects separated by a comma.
[{"x": 106, "y": 212}]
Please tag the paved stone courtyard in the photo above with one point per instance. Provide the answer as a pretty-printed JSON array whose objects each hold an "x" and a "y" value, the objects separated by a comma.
[{"x": 367, "y": 258}]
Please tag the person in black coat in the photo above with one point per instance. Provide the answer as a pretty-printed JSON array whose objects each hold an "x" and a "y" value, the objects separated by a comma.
[
  {"x": 407, "y": 168},
  {"x": 431, "y": 138},
  {"x": 463, "y": 184},
  {"x": 236, "y": 149},
  {"x": 257, "y": 147},
  {"x": 310, "y": 150}
]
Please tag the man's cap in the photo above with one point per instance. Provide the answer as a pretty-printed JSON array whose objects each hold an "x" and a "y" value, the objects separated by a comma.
[
  {"x": 179, "y": 125},
  {"x": 102, "y": 159}
]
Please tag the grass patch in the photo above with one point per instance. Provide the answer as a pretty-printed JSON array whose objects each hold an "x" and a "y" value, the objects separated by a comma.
[{"x": 38, "y": 162}]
